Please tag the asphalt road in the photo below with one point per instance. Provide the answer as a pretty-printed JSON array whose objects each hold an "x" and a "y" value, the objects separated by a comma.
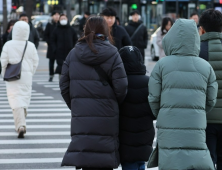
[{"x": 48, "y": 124}]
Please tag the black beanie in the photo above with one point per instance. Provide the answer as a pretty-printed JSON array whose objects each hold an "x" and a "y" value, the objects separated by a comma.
[{"x": 132, "y": 60}]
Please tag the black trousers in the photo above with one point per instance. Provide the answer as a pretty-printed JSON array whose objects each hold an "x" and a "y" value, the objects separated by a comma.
[
  {"x": 142, "y": 51},
  {"x": 214, "y": 143},
  {"x": 51, "y": 66}
]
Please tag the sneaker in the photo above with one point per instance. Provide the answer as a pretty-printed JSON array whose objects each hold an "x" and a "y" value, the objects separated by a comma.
[
  {"x": 50, "y": 78},
  {"x": 21, "y": 132}
]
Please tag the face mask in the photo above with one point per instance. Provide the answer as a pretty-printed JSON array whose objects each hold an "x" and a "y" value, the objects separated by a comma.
[{"x": 63, "y": 22}]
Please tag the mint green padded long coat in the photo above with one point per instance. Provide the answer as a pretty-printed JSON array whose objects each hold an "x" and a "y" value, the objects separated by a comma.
[{"x": 182, "y": 88}]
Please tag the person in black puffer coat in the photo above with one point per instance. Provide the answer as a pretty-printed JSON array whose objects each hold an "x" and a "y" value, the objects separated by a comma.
[
  {"x": 47, "y": 37},
  {"x": 94, "y": 104},
  {"x": 120, "y": 36},
  {"x": 136, "y": 118},
  {"x": 140, "y": 39},
  {"x": 63, "y": 40}
]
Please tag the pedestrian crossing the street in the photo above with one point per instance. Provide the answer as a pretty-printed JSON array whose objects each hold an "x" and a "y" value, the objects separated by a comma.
[{"x": 48, "y": 129}]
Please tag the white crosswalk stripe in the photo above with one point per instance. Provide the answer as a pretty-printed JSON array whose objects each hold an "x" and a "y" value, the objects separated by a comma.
[{"x": 48, "y": 130}]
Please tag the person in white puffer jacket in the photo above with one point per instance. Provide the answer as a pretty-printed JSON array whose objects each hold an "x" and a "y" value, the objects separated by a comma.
[{"x": 19, "y": 91}]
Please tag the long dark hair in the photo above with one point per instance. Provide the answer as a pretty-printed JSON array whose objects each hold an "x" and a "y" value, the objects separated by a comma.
[
  {"x": 96, "y": 25},
  {"x": 164, "y": 24},
  {"x": 10, "y": 23}
]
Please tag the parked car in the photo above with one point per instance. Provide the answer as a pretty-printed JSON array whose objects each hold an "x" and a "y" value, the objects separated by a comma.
[
  {"x": 40, "y": 22},
  {"x": 154, "y": 47},
  {"x": 37, "y": 18},
  {"x": 75, "y": 23},
  {"x": 40, "y": 26}
]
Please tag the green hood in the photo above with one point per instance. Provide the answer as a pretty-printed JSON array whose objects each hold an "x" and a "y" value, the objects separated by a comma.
[{"x": 182, "y": 39}]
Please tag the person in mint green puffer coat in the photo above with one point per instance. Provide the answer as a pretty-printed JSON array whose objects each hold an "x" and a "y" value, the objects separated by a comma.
[{"x": 183, "y": 89}]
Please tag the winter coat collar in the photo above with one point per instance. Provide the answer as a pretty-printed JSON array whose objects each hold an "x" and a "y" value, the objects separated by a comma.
[
  {"x": 182, "y": 39},
  {"x": 135, "y": 24},
  {"x": 104, "y": 48},
  {"x": 210, "y": 36}
]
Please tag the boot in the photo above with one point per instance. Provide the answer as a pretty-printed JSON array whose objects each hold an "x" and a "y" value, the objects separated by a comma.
[
  {"x": 50, "y": 78},
  {"x": 21, "y": 132}
]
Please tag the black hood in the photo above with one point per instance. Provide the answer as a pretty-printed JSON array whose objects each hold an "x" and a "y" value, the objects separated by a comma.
[
  {"x": 104, "y": 48},
  {"x": 132, "y": 60}
]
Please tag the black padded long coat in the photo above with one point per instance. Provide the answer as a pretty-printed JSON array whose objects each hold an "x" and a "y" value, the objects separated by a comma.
[
  {"x": 95, "y": 110},
  {"x": 136, "y": 118}
]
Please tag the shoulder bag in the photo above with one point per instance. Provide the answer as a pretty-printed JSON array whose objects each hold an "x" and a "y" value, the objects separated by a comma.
[{"x": 13, "y": 71}]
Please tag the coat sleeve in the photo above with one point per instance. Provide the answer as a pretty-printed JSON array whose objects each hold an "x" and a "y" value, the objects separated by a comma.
[
  {"x": 4, "y": 59},
  {"x": 75, "y": 38},
  {"x": 64, "y": 82},
  {"x": 36, "y": 38},
  {"x": 54, "y": 40},
  {"x": 119, "y": 79},
  {"x": 145, "y": 37},
  {"x": 212, "y": 89},
  {"x": 155, "y": 88},
  {"x": 126, "y": 41},
  {"x": 35, "y": 60},
  {"x": 10, "y": 36},
  {"x": 159, "y": 39},
  {"x": 47, "y": 33}
]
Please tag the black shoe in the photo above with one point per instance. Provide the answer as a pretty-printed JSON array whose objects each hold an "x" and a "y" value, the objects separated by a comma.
[
  {"x": 21, "y": 132},
  {"x": 51, "y": 78}
]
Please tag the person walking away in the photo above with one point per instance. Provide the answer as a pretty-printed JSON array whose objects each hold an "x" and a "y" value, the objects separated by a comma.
[
  {"x": 211, "y": 51},
  {"x": 8, "y": 30},
  {"x": 195, "y": 17},
  {"x": 120, "y": 36},
  {"x": 166, "y": 25},
  {"x": 82, "y": 22},
  {"x": 33, "y": 35},
  {"x": 93, "y": 75},
  {"x": 63, "y": 40},
  {"x": 136, "y": 118},
  {"x": 47, "y": 37},
  {"x": 138, "y": 32},
  {"x": 182, "y": 89},
  {"x": 19, "y": 91}
]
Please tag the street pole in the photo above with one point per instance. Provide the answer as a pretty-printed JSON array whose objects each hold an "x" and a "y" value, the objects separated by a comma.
[
  {"x": 29, "y": 8},
  {"x": 164, "y": 8},
  {"x": 5, "y": 17},
  {"x": 120, "y": 10},
  {"x": 68, "y": 10},
  {"x": 177, "y": 9}
]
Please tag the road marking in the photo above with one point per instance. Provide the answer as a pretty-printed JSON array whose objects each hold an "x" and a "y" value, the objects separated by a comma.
[
  {"x": 32, "y": 98},
  {"x": 40, "y": 80},
  {"x": 37, "y": 126},
  {"x": 33, "y": 94},
  {"x": 35, "y": 134},
  {"x": 47, "y": 83},
  {"x": 43, "y": 106},
  {"x": 40, "y": 110},
  {"x": 39, "y": 115},
  {"x": 35, "y": 141},
  {"x": 51, "y": 85},
  {"x": 39, "y": 102},
  {"x": 33, "y": 91},
  {"x": 37, "y": 120},
  {"x": 44, "y": 150},
  {"x": 57, "y": 89},
  {"x": 35, "y": 160}
]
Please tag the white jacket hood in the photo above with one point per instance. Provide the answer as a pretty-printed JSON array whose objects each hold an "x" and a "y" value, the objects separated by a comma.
[{"x": 20, "y": 31}]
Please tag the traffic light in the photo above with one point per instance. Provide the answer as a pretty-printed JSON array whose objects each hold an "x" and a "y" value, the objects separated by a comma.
[
  {"x": 134, "y": 6},
  {"x": 14, "y": 7},
  {"x": 220, "y": 1}
]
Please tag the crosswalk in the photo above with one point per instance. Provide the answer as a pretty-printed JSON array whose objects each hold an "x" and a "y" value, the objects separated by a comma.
[{"x": 48, "y": 129}]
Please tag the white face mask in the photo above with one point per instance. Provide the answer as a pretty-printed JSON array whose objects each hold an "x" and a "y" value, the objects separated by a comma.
[{"x": 63, "y": 22}]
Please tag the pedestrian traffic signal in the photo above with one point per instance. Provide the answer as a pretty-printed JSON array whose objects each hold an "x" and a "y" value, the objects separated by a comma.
[
  {"x": 134, "y": 6},
  {"x": 220, "y": 1}
]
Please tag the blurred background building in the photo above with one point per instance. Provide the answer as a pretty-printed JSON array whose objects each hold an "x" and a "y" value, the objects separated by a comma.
[{"x": 152, "y": 11}]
